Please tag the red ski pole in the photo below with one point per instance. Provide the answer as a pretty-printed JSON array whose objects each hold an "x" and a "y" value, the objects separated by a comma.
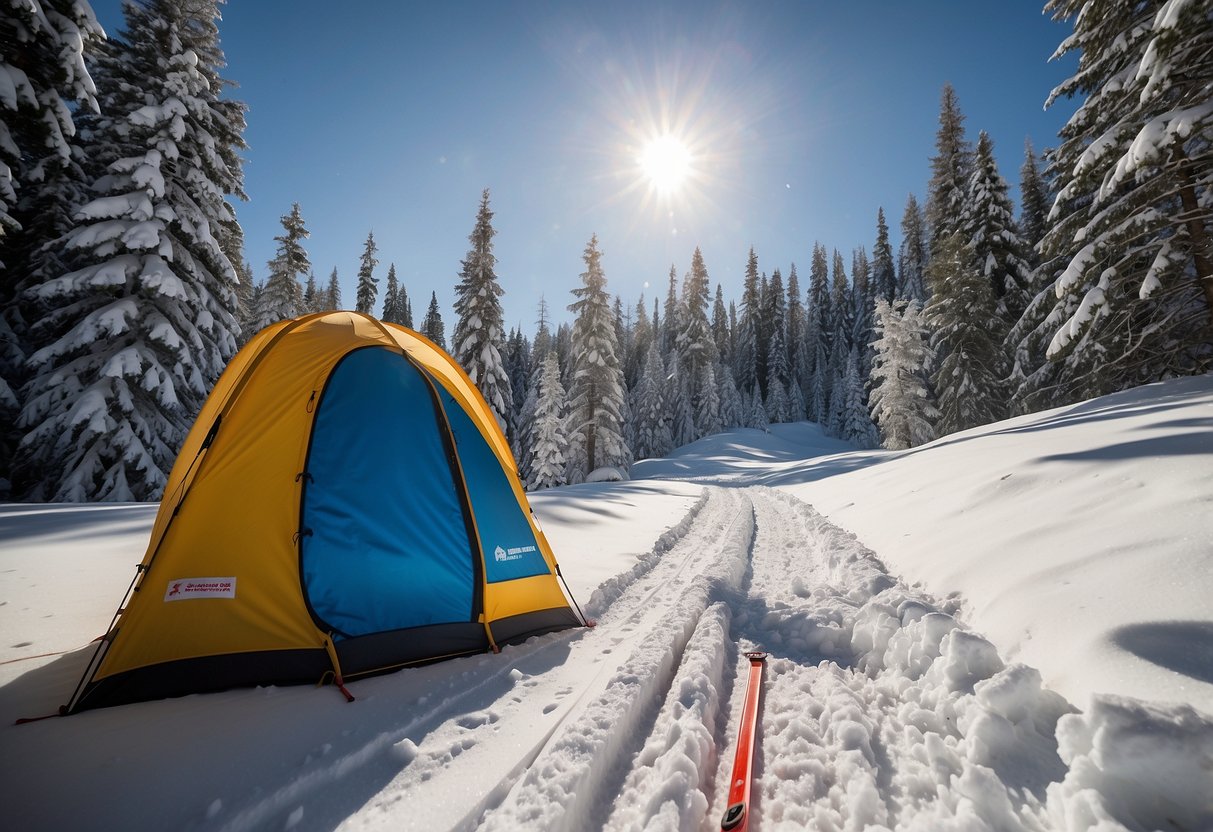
[{"x": 737, "y": 815}]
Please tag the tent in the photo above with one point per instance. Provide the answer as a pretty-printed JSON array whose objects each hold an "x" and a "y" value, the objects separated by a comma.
[{"x": 345, "y": 504}]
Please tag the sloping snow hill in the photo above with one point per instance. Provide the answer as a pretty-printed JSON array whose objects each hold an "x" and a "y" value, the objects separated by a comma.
[{"x": 1006, "y": 629}]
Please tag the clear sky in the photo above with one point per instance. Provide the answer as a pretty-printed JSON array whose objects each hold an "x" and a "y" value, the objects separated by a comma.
[{"x": 800, "y": 119}]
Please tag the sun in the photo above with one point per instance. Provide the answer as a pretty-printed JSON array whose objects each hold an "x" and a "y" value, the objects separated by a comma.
[{"x": 666, "y": 161}]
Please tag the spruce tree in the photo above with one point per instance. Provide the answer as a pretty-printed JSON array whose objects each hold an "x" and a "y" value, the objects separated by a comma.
[
  {"x": 901, "y": 402},
  {"x": 391, "y": 298},
  {"x": 884, "y": 272},
  {"x": 650, "y": 408},
  {"x": 778, "y": 367},
  {"x": 967, "y": 339},
  {"x": 133, "y": 338},
  {"x": 549, "y": 453},
  {"x": 817, "y": 334},
  {"x": 406, "y": 307},
  {"x": 1034, "y": 200},
  {"x": 368, "y": 284},
  {"x": 732, "y": 409},
  {"x": 671, "y": 322},
  {"x": 681, "y": 413},
  {"x": 479, "y": 335},
  {"x": 950, "y": 169},
  {"x": 332, "y": 294},
  {"x": 855, "y": 424},
  {"x": 794, "y": 323},
  {"x": 912, "y": 257},
  {"x": 695, "y": 345},
  {"x": 863, "y": 304},
  {"x": 41, "y": 68},
  {"x": 311, "y": 295},
  {"x": 283, "y": 297},
  {"x": 757, "y": 412},
  {"x": 43, "y": 73},
  {"x": 720, "y": 328},
  {"x": 842, "y": 318},
  {"x": 745, "y": 364},
  {"x": 1134, "y": 208},
  {"x": 432, "y": 327},
  {"x": 248, "y": 295},
  {"x": 596, "y": 395},
  {"x": 989, "y": 227}
]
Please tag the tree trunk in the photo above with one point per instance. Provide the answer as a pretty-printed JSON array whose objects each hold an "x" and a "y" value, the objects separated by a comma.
[{"x": 1201, "y": 255}]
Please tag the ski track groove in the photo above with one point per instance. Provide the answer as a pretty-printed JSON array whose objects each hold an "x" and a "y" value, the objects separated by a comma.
[
  {"x": 880, "y": 710},
  {"x": 570, "y": 785}
]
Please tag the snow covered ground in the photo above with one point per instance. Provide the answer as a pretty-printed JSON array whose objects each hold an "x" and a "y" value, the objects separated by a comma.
[{"x": 1011, "y": 628}]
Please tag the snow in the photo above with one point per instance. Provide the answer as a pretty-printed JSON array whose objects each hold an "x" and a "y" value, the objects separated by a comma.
[{"x": 1007, "y": 628}]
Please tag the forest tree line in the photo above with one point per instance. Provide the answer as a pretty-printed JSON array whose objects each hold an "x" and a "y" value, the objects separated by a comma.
[{"x": 125, "y": 289}]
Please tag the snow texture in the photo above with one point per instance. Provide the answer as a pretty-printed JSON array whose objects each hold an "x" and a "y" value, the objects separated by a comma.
[{"x": 1005, "y": 629}]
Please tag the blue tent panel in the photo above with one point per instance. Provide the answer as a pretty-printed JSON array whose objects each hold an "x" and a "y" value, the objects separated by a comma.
[
  {"x": 510, "y": 548},
  {"x": 389, "y": 547}
]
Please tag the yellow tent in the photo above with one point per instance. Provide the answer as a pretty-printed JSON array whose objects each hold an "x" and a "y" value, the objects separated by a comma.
[{"x": 345, "y": 503}]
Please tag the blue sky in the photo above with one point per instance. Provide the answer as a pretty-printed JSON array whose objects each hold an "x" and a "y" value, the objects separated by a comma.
[{"x": 802, "y": 118}]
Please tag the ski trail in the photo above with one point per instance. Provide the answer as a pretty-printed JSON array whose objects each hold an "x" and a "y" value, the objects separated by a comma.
[
  {"x": 571, "y": 783},
  {"x": 466, "y": 765},
  {"x": 880, "y": 709}
]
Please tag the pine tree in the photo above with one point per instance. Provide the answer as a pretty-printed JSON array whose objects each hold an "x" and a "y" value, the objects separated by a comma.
[
  {"x": 518, "y": 368},
  {"x": 479, "y": 333},
  {"x": 596, "y": 396},
  {"x": 778, "y": 367},
  {"x": 368, "y": 284},
  {"x": 758, "y": 413},
  {"x": 549, "y": 457},
  {"x": 696, "y": 347},
  {"x": 901, "y": 402},
  {"x": 432, "y": 327},
  {"x": 777, "y": 404},
  {"x": 406, "y": 307},
  {"x": 745, "y": 363},
  {"x": 912, "y": 257},
  {"x": 989, "y": 227},
  {"x": 950, "y": 169},
  {"x": 311, "y": 295},
  {"x": 732, "y": 409},
  {"x": 247, "y": 300},
  {"x": 720, "y": 328},
  {"x": 671, "y": 323},
  {"x": 967, "y": 339},
  {"x": 283, "y": 297},
  {"x": 884, "y": 273},
  {"x": 864, "y": 305},
  {"x": 332, "y": 294},
  {"x": 42, "y": 180},
  {"x": 842, "y": 321},
  {"x": 682, "y": 414},
  {"x": 392, "y": 313},
  {"x": 707, "y": 406},
  {"x": 135, "y": 336},
  {"x": 1134, "y": 207},
  {"x": 817, "y": 334},
  {"x": 650, "y": 408},
  {"x": 1034, "y": 201},
  {"x": 794, "y": 323},
  {"x": 855, "y": 424},
  {"x": 642, "y": 337}
]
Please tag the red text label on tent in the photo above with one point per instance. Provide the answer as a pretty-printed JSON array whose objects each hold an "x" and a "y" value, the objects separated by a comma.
[{"x": 181, "y": 589}]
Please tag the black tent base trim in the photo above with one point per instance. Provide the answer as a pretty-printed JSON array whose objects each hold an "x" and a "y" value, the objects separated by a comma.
[{"x": 360, "y": 656}]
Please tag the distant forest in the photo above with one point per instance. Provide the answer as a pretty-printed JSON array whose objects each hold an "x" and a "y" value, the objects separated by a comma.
[{"x": 125, "y": 290}]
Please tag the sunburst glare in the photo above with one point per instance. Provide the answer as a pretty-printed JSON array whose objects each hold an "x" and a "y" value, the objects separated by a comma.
[{"x": 666, "y": 162}]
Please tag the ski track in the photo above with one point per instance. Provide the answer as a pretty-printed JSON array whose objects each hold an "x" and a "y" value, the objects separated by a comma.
[{"x": 880, "y": 709}]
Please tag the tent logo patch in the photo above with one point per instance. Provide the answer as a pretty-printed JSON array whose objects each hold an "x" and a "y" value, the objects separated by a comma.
[
  {"x": 515, "y": 553},
  {"x": 182, "y": 589}
]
